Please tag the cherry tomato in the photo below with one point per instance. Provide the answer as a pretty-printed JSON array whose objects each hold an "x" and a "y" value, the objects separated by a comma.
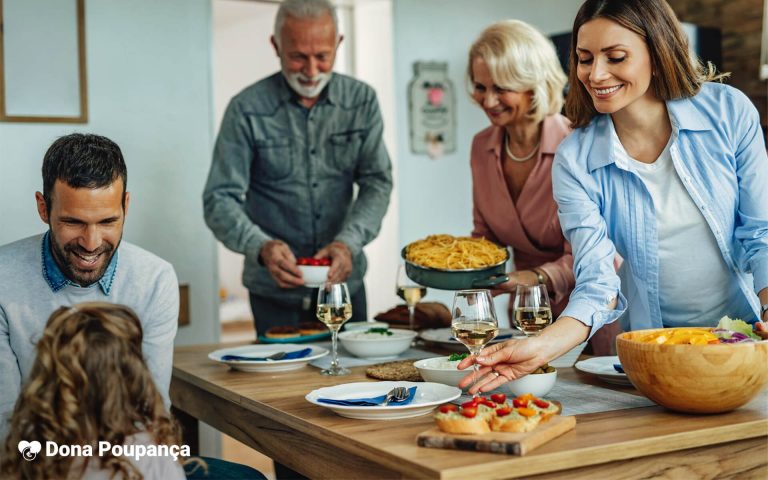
[
  {"x": 469, "y": 412},
  {"x": 541, "y": 403},
  {"x": 498, "y": 397},
  {"x": 486, "y": 402},
  {"x": 470, "y": 404},
  {"x": 518, "y": 403},
  {"x": 448, "y": 408},
  {"x": 502, "y": 412},
  {"x": 302, "y": 261},
  {"x": 325, "y": 261}
]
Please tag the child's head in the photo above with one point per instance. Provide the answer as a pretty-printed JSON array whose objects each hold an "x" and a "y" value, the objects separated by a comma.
[{"x": 89, "y": 383}]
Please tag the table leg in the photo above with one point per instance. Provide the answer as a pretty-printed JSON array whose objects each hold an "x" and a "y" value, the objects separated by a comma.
[{"x": 190, "y": 430}]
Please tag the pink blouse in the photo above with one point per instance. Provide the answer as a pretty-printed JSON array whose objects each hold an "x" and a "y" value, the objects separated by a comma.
[{"x": 531, "y": 226}]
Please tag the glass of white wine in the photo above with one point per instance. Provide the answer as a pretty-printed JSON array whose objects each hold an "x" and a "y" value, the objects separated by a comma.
[
  {"x": 334, "y": 307},
  {"x": 411, "y": 292},
  {"x": 473, "y": 321},
  {"x": 532, "y": 311}
]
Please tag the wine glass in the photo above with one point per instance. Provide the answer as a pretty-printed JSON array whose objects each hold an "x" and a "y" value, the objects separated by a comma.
[
  {"x": 334, "y": 307},
  {"x": 409, "y": 291},
  {"x": 473, "y": 321},
  {"x": 532, "y": 311}
]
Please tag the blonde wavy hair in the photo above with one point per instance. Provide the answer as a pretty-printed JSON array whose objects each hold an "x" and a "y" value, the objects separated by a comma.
[
  {"x": 521, "y": 59},
  {"x": 89, "y": 383}
]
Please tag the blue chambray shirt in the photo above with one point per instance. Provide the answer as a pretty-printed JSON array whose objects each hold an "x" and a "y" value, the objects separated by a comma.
[
  {"x": 719, "y": 154},
  {"x": 282, "y": 171},
  {"x": 55, "y": 278}
]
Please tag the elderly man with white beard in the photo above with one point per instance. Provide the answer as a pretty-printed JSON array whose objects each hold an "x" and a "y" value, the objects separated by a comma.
[{"x": 290, "y": 150}]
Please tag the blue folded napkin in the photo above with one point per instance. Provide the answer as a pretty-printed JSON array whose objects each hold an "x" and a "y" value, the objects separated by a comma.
[
  {"x": 618, "y": 367},
  {"x": 288, "y": 356},
  {"x": 369, "y": 402}
]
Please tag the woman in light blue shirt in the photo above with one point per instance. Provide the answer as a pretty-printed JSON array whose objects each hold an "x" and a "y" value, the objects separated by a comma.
[{"x": 666, "y": 168}]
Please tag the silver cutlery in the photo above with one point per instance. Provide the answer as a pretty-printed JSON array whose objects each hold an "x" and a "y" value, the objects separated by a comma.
[{"x": 396, "y": 395}]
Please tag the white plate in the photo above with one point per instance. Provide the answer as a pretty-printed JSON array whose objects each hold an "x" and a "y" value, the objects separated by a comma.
[
  {"x": 265, "y": 351},
  {"x": 445, "y": 337},
  {"x": 603, "y": 368},
  {"x": 428, "y": 396}
]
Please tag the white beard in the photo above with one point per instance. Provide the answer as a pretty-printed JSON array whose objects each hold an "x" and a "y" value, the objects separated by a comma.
[{"x": 321, "y": 80}]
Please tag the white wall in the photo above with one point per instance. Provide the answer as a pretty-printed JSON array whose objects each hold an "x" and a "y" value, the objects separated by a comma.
[
  {"x": 149, "y": 90},
  {"x": 436, "y": 195}
]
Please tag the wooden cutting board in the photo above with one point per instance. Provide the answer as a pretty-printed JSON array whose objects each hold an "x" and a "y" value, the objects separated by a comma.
[{"x": 499, "y": 442}]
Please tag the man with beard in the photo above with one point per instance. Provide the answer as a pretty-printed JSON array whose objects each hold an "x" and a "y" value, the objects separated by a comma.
[
  {"x": 290, "y": 150},
  {"x": 81, "y": 258}
]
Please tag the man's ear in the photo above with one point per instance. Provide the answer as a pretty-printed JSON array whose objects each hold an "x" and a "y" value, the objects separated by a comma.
[
  {"x": 127, "y": 201},
  {"x": 274, "y": 45},
  {"x": 42, "y": 209}
]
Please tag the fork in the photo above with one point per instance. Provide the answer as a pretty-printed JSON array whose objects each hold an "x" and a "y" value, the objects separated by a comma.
[{"x": 396, "y": 395}]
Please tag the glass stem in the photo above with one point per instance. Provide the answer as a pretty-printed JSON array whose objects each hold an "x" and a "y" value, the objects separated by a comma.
[
  {"x": 335, "y": 359},
  {"x": 411, "y": 315}
]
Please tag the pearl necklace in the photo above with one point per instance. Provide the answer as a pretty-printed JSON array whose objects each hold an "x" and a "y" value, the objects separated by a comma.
[{"x": 520, "y": 159}]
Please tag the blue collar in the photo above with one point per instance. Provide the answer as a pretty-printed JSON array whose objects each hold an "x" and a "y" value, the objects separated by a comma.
[{"x": 55, "y": 277}]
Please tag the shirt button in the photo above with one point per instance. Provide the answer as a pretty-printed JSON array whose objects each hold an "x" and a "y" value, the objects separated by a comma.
[
  {"x": 317, "y": 216},
  {"x": 313, "y": 151},
  {"x": 314, "y": 184}
]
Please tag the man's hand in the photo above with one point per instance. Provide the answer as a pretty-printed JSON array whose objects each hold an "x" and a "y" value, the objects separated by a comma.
[
  {"x": 341, "y": 261},
  {"x": 281, "y": 264}
]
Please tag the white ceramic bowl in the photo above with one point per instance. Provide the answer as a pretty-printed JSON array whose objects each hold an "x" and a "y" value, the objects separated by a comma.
[
  {"x": 364, "y": 325},
  {"x": 314, "y": 275},
  {"x": 375, "y": 345},
  {"x": 539, "y": 384},
  {"x": 440, "y": 370}
]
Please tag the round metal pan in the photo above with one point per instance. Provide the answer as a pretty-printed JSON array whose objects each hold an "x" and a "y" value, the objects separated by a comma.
[{"x": 486, "y": 277}]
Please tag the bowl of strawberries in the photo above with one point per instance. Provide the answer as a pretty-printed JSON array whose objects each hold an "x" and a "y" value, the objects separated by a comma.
[{"x": 314, "y": 270}]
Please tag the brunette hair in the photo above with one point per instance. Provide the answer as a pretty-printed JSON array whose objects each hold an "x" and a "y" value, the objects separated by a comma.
[
  {"x": 83, "y": 160},
  {"x": 677, "y": 73},
  {"x": 89, "y": 383},
  {"x": 520, "y": 58}
]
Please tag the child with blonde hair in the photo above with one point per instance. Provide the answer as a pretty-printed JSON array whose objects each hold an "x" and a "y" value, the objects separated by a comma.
[{"x": 90, "y": 384}]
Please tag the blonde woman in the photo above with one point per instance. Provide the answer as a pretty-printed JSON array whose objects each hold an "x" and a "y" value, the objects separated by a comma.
[{"x": 515, "y": 77}]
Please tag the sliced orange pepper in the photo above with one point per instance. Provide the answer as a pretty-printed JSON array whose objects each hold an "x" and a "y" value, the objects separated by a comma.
[{"x": 526, "y": 412}]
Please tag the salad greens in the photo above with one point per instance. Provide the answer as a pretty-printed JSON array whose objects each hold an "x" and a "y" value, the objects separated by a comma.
[
  {"x": 457, "y": 356},
  {"x": 380, "y": 331},
  {"x": 731, "y": 330}
]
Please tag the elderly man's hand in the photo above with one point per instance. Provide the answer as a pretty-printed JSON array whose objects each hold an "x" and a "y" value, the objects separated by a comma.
[
  {"x": 500, "y": 363},
  {"x": 281, "y": 264},
  {"x": 341, "y": 261}
]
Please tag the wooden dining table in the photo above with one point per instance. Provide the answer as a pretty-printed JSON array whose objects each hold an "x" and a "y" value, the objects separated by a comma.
[{"x": 269, "y": 412}]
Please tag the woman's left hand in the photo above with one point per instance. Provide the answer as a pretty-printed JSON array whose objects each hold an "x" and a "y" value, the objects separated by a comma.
[{"x": 518, "y": 277}]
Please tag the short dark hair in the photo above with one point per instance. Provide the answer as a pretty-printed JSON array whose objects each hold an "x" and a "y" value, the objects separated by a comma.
[
  {"x": 83, "y": 160},
  {"x": 678, "y": 74}
]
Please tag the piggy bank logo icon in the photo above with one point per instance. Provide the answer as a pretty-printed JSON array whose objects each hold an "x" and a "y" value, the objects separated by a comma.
[{"x": 29, "y": 450}]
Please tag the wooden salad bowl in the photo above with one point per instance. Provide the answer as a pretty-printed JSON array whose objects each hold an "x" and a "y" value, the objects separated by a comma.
[{"x": 694, "y": 378}]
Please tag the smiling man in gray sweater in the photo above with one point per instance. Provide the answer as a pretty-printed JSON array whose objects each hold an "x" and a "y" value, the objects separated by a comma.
[{"x": 81, "y": 258}]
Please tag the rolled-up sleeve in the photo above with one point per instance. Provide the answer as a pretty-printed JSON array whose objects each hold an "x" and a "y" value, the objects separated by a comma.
[
  {"x": 225, "y": 190},
  {"x": 752, "y": 172},
  {"x": 373, "y": 175},
  {"x": 597, "y": 285}
]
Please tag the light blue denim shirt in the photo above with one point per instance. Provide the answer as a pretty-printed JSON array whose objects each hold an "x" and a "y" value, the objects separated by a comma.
[
  {"x": 55, "y": 277},
  {"x": 282, "y": 171},
  {"x": 719, "y": 153}
]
